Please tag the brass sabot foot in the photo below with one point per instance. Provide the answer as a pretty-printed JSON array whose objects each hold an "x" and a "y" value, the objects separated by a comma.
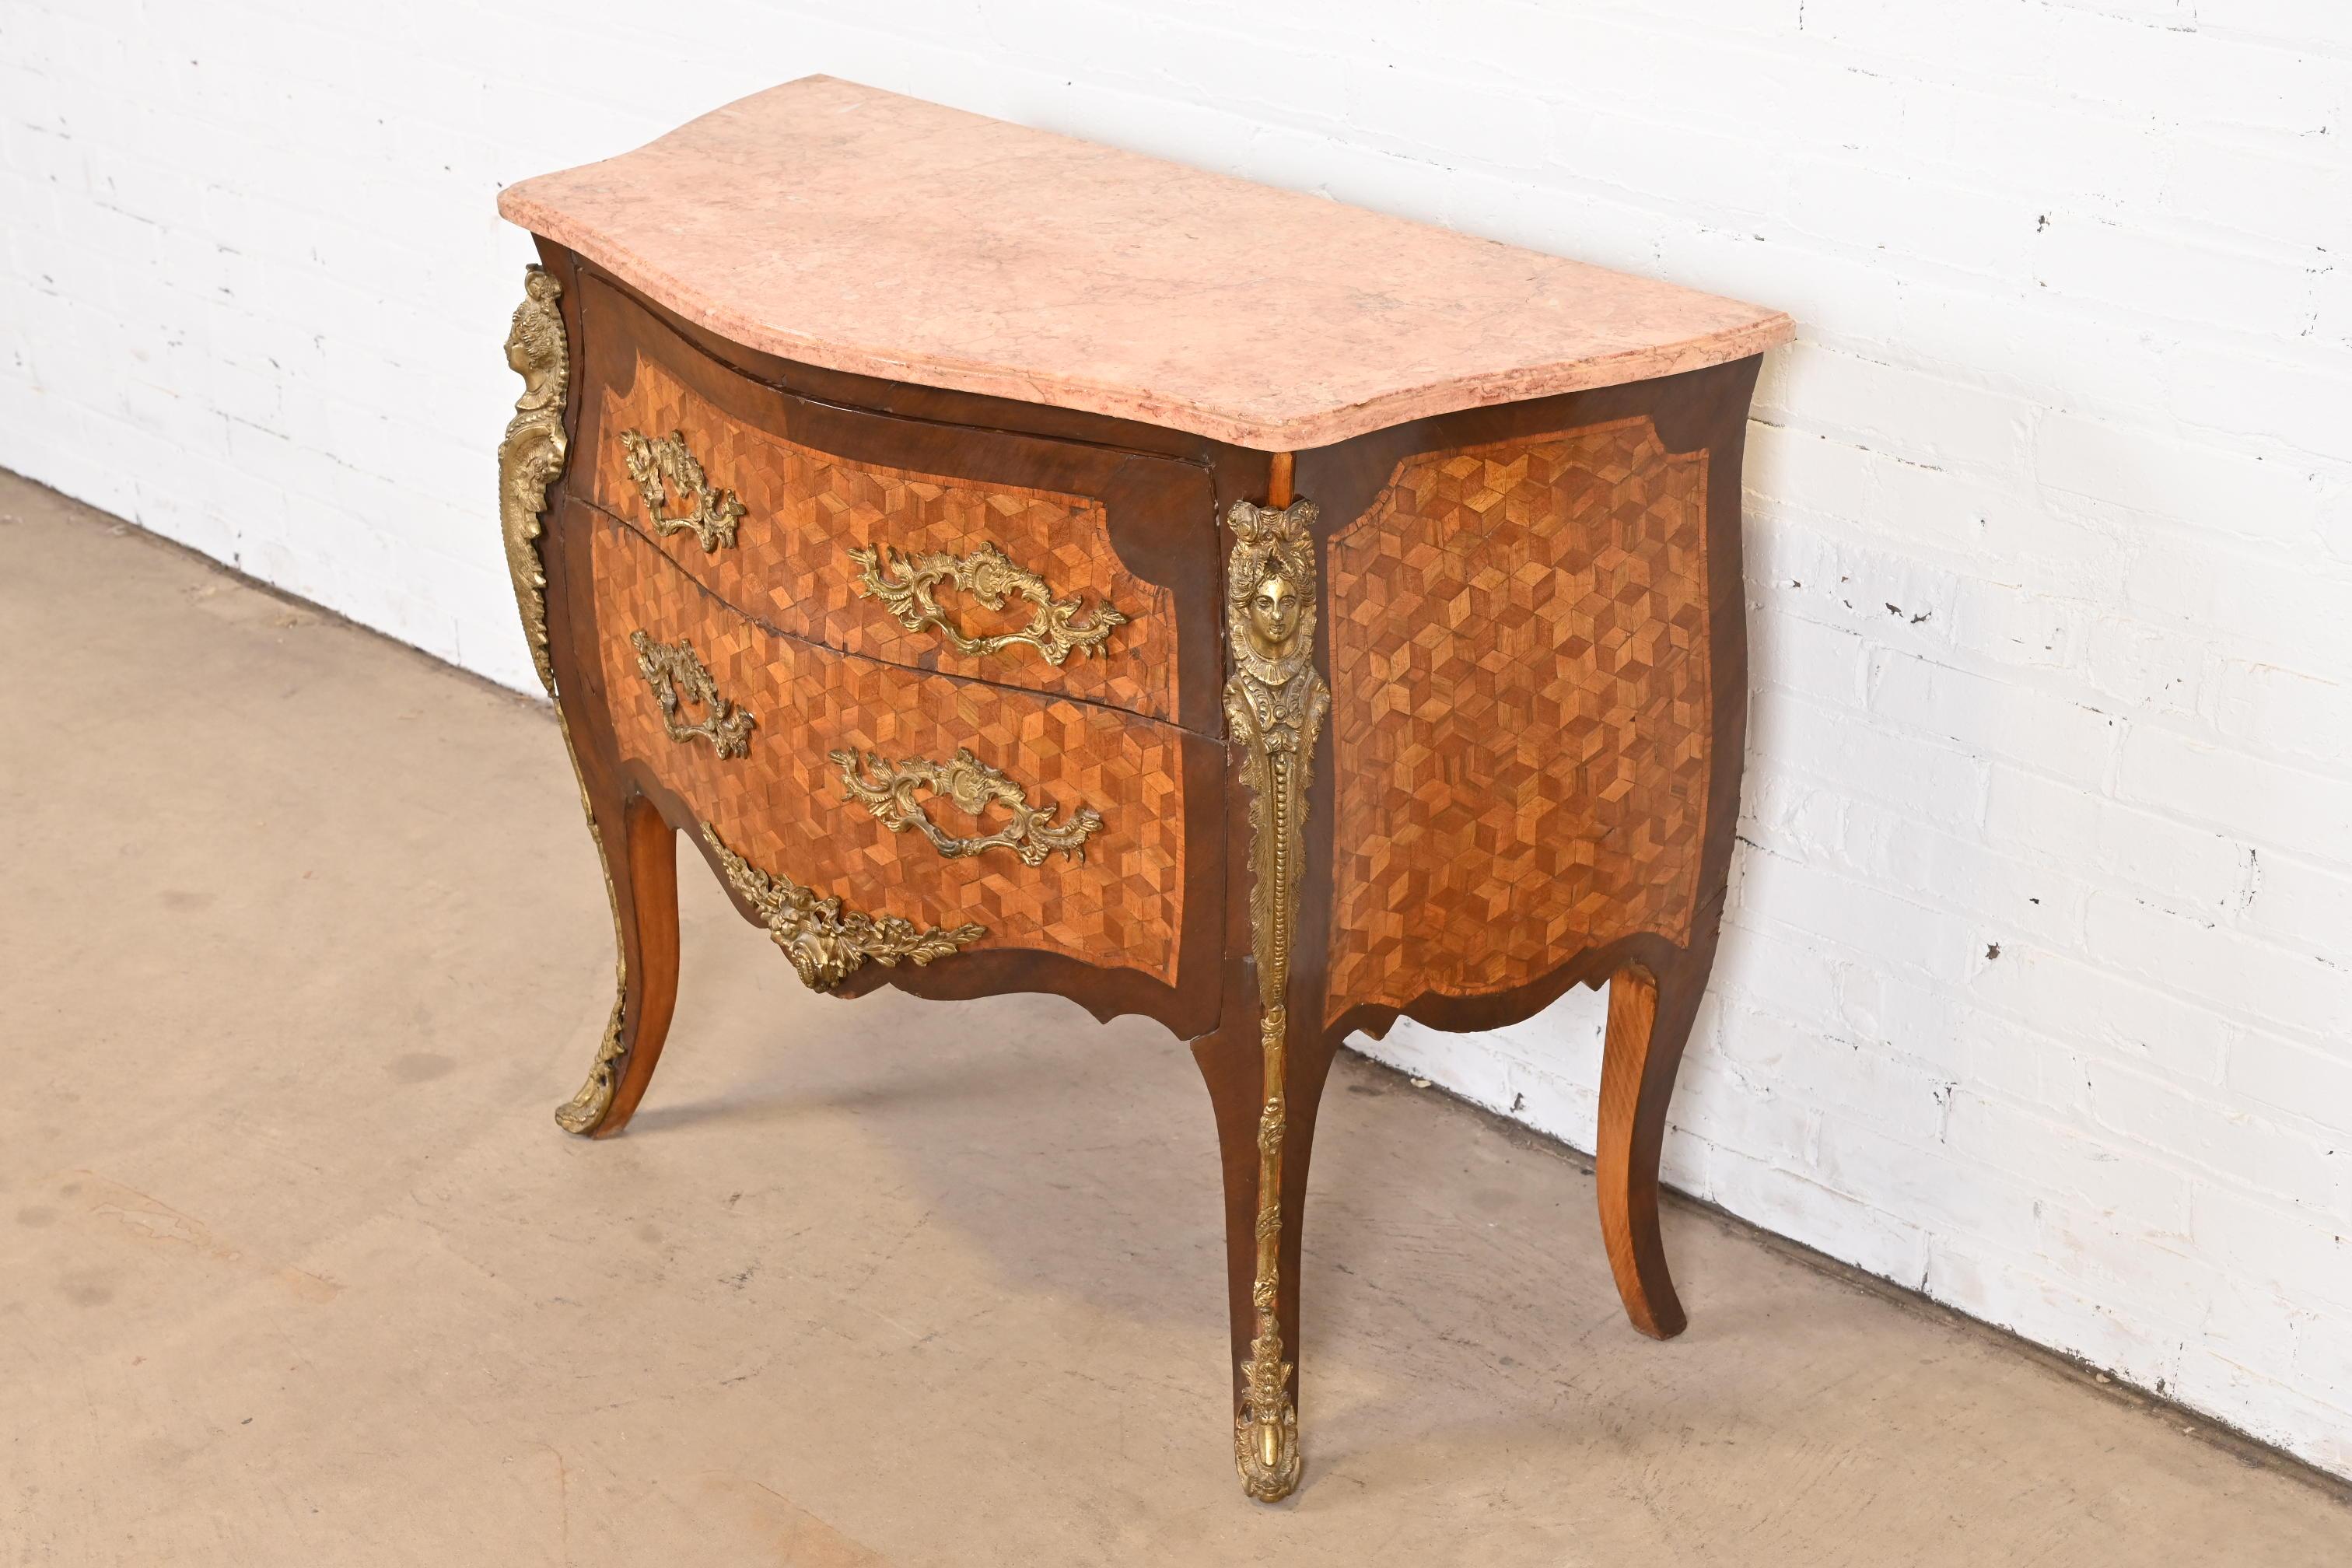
[
  {"x": 585, "y": 1111},
  {"x": 1266, "y": 1453}
]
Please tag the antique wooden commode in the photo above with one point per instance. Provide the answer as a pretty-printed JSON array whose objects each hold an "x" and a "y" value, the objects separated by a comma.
[{"x": 1021, "y": 565}]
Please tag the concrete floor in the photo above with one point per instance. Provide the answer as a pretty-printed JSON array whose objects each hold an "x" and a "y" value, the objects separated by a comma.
[{"x": 304, "y": 940}]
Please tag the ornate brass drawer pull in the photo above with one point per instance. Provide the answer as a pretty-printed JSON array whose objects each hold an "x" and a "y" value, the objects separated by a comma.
[
  {"x": 904, "y": 585},
  {"x": 888, "y": 790},
  {"x": 664, "y": 469},
  {"x": 677, "y": 676},
  {"x": 826, "y": 943}
]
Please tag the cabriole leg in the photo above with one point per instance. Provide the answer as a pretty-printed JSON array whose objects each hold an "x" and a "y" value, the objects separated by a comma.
[
  {"x": 1266, "y": 1130},
  {"x": 1649, "y": 1023},
  {"x": 1276, "y": 702},
  {"x": 643, "y": 882}
]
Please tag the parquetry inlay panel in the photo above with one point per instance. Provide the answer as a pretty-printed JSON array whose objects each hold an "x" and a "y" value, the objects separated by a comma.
[
  {"x": 1520, "y": 668},
  {"x": 805, "y": 510},
  {"x": 781, "y": 806}
]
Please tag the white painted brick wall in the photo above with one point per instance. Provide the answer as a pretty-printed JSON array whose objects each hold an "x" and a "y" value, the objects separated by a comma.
[{"x": 2035, "y": 987}]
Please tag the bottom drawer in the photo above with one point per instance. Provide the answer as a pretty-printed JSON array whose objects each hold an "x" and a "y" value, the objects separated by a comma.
[{"x": 1050, "y": 824}]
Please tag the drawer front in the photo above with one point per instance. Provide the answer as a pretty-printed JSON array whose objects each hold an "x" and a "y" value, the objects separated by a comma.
[
  {"x": 1060, "y": 828},
  {"x": 973, "y": 552}
]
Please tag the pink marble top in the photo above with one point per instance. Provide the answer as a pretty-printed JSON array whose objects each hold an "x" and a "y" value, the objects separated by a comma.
[{"x": 859, "y": 230}]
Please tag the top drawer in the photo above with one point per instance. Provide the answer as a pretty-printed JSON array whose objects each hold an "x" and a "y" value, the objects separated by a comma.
[{"x": 974, "y": 552}]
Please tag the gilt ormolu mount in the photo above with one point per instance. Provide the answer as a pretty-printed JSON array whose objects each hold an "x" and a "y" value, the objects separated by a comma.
[{"x": 1358, "y": 635}]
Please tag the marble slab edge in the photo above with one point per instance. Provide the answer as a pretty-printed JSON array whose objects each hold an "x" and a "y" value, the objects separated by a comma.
[{"x": 1233, "y": 427}]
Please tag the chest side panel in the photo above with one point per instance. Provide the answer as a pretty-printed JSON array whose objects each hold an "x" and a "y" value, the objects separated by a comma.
[
  {"x": 805, "y": 508},
  {"x": 781, "y": 805},
  {"x": 1520, "y": 716}
]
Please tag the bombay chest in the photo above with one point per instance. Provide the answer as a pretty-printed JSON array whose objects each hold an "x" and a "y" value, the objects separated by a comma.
[{"x": 1015, "y": 564}]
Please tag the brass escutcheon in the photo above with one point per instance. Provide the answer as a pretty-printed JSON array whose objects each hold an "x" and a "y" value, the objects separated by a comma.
[
  {"x": 905, "y": 584},
  {"x": 676, "y": 676},
  {"x": 664, "y": 469},
  {"x": 888, "y": 790}
]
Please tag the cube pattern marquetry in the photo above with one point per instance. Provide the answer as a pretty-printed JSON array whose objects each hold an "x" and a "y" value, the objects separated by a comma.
[
  {"x": 1521, "y": 713},
  {"x": 805, "y": 510},
  {"x": 781, "y": 807}
]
